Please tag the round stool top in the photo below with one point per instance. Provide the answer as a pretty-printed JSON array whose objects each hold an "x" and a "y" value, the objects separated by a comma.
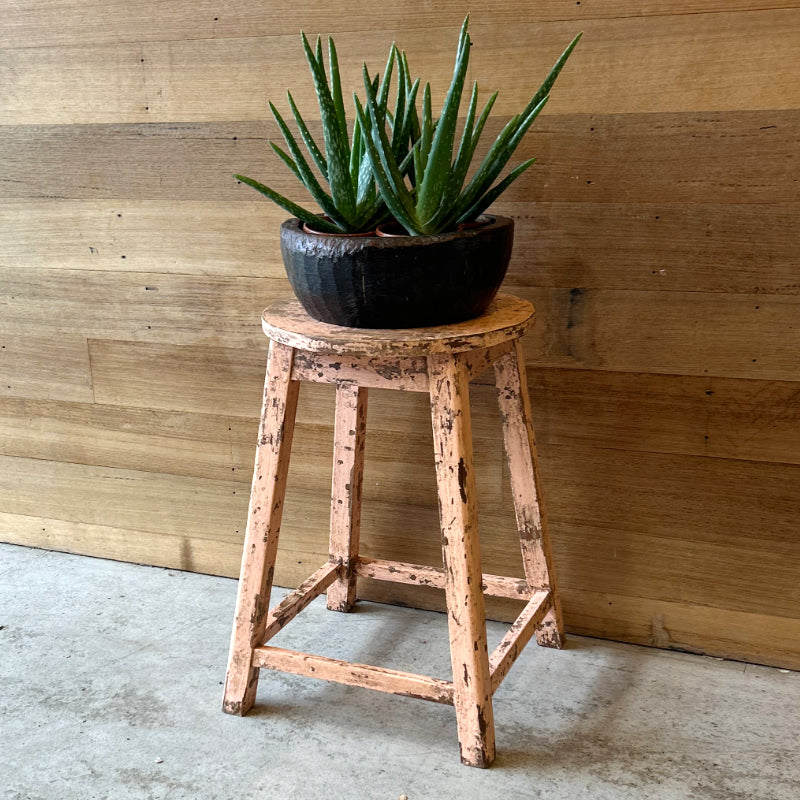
[{"x": 507, "y": 318}]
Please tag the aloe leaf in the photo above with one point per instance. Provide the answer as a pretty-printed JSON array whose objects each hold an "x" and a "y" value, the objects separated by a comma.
[
  {"x": 319, "y": 58},
  {"x": 383, "y": 91},
  {"x": 326, "y": 203},
  {"x": 505, "y": 153},
  {"x": 336, "y": 87},
  {"x": 414, "y": 130},
  {"x": 438, "y": 167},
  {"x": 365, "y": 177},
  {"x": 415, "y": 152},
  {"x": 476, "y": 133},
  {"x": 544, "y": 89},
  {"x": 311, "y": 145},
  {"x": 487, "y": 199},
  {"x": 493, "y": 164},
  {"x": 411, "y": 113},
  {"x": 337, "y": 148},
  {"x": 383, "y": 149},
  {"x": 479, "y": 183},
  {"x": 356, "y": 153},
  {"x": 426, "y": 135},
  {"x": 401, "y": 209},
  {"x": 288, "y": 160},
  {"x": 298, "y": 211},
  {"x": 464, "y": 156},
  {"x": 399, "y": 113}
]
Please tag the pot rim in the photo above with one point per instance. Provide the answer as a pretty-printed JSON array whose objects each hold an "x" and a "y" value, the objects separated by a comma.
[{"x": 295, "y": 228}]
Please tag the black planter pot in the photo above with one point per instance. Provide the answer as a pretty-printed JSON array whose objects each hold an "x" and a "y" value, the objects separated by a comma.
[{"x": 398, "y": 281}]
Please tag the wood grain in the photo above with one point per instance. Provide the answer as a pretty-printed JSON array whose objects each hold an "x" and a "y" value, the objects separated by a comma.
[
  {"x": 705, "y": 247},
  {"x": 45, "y": 367},
  {"x": 177, "y": 309},
  {"x": 721, "y": 156},
  {"x": 636, "y": 65},
  {"x": 210, "y": 238},
  {"x": 264, "y": 513},
  {"x": 461, "y": 556},
  {"x": 32, "y": 23},
  {"x": 680, "y": 333}
]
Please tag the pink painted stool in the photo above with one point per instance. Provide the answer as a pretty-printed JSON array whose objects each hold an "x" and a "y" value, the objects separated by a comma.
[{"x": 440, "y": 361}]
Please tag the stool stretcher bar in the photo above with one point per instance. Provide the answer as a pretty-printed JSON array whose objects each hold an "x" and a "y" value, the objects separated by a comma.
[
  {"x": 294, "y": 602},
  {"x": 365, "y": 675},
  {"x": 419, "y": 575},
  {"x": 518, "y": 635}
]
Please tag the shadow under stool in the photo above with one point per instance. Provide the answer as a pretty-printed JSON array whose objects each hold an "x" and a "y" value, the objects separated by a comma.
[{"x": 440, "y": 361}]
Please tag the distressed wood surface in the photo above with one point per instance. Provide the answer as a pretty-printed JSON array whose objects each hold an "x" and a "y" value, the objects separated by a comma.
[
  {"x": 263, "y": 527},
  {"x": 507, "y": 318},
  {"x": 349, "y": 435},
  {"x": 527, "y": 491},
  {"x": 518, "y": 635},
  {"x": 364, "y": 675},
  {"x": 294, "y": 602},
  {"x": 409, "y": 374},
  {"x": 452, "y": 438},
  {"x": 422, "y": 575}
]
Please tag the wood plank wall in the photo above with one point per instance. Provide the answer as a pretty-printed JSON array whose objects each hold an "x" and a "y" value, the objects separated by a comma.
[{"x": 658, "y": 237}]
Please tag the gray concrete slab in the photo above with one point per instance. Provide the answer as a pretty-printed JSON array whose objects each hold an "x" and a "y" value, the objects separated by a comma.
[{"x": 110, "y": 687}]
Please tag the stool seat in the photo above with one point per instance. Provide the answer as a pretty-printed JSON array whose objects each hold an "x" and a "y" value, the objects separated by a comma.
[
  {"x": 439, "y": 361},
  {"x": 506, "y": 319}
]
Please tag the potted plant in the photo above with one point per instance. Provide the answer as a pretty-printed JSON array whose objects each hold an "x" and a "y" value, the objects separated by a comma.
[{"x": 402, "y": 240}]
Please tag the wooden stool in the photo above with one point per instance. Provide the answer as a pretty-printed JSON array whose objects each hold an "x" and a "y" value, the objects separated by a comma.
[{"x": 441, "y": 361}]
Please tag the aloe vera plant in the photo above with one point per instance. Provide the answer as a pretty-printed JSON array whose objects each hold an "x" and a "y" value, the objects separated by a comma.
[
  {"x": 353, "y": 203},
  {"x": 437, "y": 197}
]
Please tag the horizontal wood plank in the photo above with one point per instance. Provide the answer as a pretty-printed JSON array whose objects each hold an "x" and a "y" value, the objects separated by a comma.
[
  {"x": 34, "y": 23},
  {"x": 128, "y": 499},
  {"x": 685, "y": 499},
  {"x": 222, "y": 239},
  {"x": 722, "y": 632},
  {"x": 652, "y": 246},
  {"x": 171, "y": 442},
  {"x": 177, "y": 309},
  {"x": 693, "y": 572},
  {"x": 716, "y": 417},
  {"x": 688, "y": 247},
  {"x": 725, "y": 157},
  {"x": 181, "y": 551},
  {"x": 680, "y": 333},
  {"x": 686, "y": 333},
  {"x": 50, "y": 368},
  {"x": 226, "y": 381},
  {"x": 212, "y": 78}
]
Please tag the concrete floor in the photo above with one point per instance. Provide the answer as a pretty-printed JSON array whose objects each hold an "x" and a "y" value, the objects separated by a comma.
[{"x": 110, "y": 687}]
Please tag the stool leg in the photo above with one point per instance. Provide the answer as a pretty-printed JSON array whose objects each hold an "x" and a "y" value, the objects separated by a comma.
[
  {"x": 348, "y": 470},
  {"x": 263, "y": 527},
  {"x": 452, "y": 438},
  {"x": 523, "y": 462}
]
